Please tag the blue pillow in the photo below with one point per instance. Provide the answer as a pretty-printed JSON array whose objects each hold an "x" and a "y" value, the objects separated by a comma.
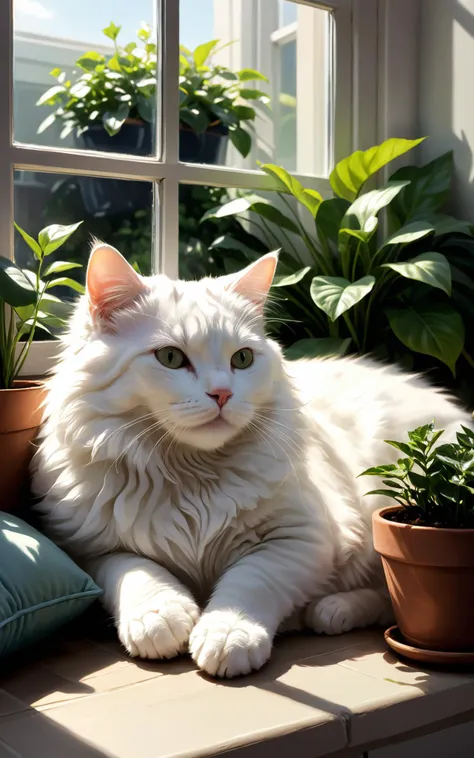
[{"x": 41, "y": 588}]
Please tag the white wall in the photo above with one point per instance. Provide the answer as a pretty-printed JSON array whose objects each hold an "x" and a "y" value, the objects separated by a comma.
[{"x": 446, "y": 88}]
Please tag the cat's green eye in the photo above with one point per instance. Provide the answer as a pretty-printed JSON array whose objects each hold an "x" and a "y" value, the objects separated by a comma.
[
  {"x": 242, "y": 358},
  {"x": 171, "y": 357}
]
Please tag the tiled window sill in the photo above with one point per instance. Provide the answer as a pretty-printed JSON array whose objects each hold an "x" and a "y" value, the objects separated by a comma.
[{"x": 340, "y": 697}]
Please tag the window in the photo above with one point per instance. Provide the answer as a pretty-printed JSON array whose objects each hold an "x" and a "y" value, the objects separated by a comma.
[{"x": 132, "y": 197}]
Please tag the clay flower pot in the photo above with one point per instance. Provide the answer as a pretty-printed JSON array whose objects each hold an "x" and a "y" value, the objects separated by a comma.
[
  {"x": 430, "y": 577},
  {"x": 20, "y": 416}
]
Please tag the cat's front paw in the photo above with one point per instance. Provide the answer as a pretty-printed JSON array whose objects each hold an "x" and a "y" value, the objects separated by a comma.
[
  {"x": 226, "y": 644},
  {"x": 333, "y": 614},
  {"x": 159, "y": 629}
]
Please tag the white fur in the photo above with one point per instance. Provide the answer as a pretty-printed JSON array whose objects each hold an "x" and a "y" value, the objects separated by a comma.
[{"x": 207, "y": 533}]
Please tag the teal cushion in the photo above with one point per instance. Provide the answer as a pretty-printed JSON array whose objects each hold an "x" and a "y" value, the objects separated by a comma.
[{"x": 41, "y": 588}]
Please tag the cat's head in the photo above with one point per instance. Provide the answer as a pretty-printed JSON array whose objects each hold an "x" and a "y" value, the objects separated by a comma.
[{"x": 194, "y": 354}]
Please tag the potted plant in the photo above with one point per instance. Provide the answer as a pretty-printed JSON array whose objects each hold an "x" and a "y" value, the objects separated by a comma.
[
  {"x": 110, "y": 105},
  {"x": 426, "y": 540},
  {"x": 214, "y": 104},
  {"x": 27, "y": 303},
  {"x": 400, "y": 290}
]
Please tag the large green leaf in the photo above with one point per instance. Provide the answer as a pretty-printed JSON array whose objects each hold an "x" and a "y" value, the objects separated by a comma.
[
  {"x": 57, "y": 266},
  {"x": 15, "y": 288},
  {"x": 311, "y": 199},
  {"x": 427, "y": 191},
  {"x": 450, "y": 225},
  {"x": 362, "y": 214},
  {"x": 287, "y": 281},
  {"x": 269, "y": 212},
  {"x": 64, "y": 281},
  {"x": 113, "y": 120},
  {"x": 30, "y": 242},
  {"x": 232, "y": 208},
  {"x": 90, "y": 60},
  {"x": 250, "y": 74},
  {"x": 437, "y": 331},
  {"x": 429, "y": 268},
  {"x": 195, "y": 117},
  {"x": 51, "y": 93},
  {"x": 202, "y": 52},
  {"x": 329, "y": 218},
  {"x": 317, "y": 348},
  {"x": 256, "y": 204},
  {"x": 335, "y": 295},
  {"x": 350, "y": 174},
  {"x": 54, "y": 236},
  {"x": 240, "y": 140},
  {"x": 409, "y": 233},
  {"x": 112, "y": 31}
]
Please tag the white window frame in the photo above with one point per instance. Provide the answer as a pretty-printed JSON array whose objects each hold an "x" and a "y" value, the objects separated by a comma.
[{"x": 354, "y": 56}]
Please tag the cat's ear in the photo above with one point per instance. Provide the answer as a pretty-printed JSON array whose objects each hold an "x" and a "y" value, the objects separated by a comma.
[
  {"x": 254, "y": 282},
  {"x": 112, "y": 284}
]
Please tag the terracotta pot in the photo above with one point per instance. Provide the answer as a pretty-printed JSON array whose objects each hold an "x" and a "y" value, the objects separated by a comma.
[
  {"x": 430, "y": 577},
  {"x": 20, "y": 416}
]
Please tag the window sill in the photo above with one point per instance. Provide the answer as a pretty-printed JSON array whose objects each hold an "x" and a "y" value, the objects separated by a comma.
[
  {"x": 319, "y": 696},
  {"x": 41, "y": 358}
]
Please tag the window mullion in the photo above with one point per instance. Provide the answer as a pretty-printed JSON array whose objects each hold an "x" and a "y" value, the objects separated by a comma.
[
  {"x": 6, "y": 128},
  {"x": 167, "y": 237}
]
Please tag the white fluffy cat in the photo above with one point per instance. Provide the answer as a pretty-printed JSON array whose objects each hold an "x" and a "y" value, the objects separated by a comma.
[{"x": 207, "y": 485}]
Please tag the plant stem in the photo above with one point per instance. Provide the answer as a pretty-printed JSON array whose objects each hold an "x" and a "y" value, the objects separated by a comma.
[
  {"x": 468, "y": 358},
  {"x": 24, "y": 352},
  {"x": 323, "y": 262},
  {"x": 352, "y": 330},
  {"x": 354, "y": 262}
]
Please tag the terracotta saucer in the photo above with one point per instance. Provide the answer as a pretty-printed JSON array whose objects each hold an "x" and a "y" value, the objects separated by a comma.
[{"x": 394, "y": 640}]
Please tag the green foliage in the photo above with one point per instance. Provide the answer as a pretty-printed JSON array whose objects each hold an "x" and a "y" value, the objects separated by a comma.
[
  {"x": 105, "y": 90},
  {"x": 212, "y": 94},
  {"x": 403, "y": 291},
  {"x": 434, "y": 485},
  {"x": 25, "y": 299},
  {"x": 110, "y": 90}
]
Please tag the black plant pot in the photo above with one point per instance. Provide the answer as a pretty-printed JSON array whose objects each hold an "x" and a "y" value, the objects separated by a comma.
[
  {"x": 111, "y": 196},
  {"x": 210, "y": 147}
]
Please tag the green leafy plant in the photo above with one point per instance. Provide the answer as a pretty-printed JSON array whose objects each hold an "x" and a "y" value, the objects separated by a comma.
[
  {"x": 106, "y": 90},
  {"x": 353, "y": 285},
  {"x": 26, "y": 300},
  {"x": 110, "y": 90},
  {"x": 212, "y": 95},
  {"x": 433, "y": 484}
]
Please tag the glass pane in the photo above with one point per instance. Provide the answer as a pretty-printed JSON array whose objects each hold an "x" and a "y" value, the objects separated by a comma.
[
  {"x": 262, "y": 91},
  {"x": 198, "y": 254},
  {"x": 81, "y": 81},
  {"x": 288, "y": 12},
  {"x": 42, "y": 199}
]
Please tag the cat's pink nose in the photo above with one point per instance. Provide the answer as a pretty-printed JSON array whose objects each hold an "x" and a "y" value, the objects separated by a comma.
[{"x": 220, "y": 395}]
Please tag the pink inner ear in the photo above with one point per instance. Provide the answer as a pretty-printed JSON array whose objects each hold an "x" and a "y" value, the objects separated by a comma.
[
  {"x": 255, "y": 281},
  {"x": 112, "y": 284}
]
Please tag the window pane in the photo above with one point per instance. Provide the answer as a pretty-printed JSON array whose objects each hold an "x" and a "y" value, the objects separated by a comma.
[
  {"x": 263, "y": 92},
  {"x": 215, "y": 246},
  {"x": 101, "y": 76},
  {"x": 288, "y": 12},
  {"x": 42, "y": 199}
]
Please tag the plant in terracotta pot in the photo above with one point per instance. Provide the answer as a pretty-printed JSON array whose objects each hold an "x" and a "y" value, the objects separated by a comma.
[
  {"x": 27, "y": 303},
  {"x": 426, "y": 540}
]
